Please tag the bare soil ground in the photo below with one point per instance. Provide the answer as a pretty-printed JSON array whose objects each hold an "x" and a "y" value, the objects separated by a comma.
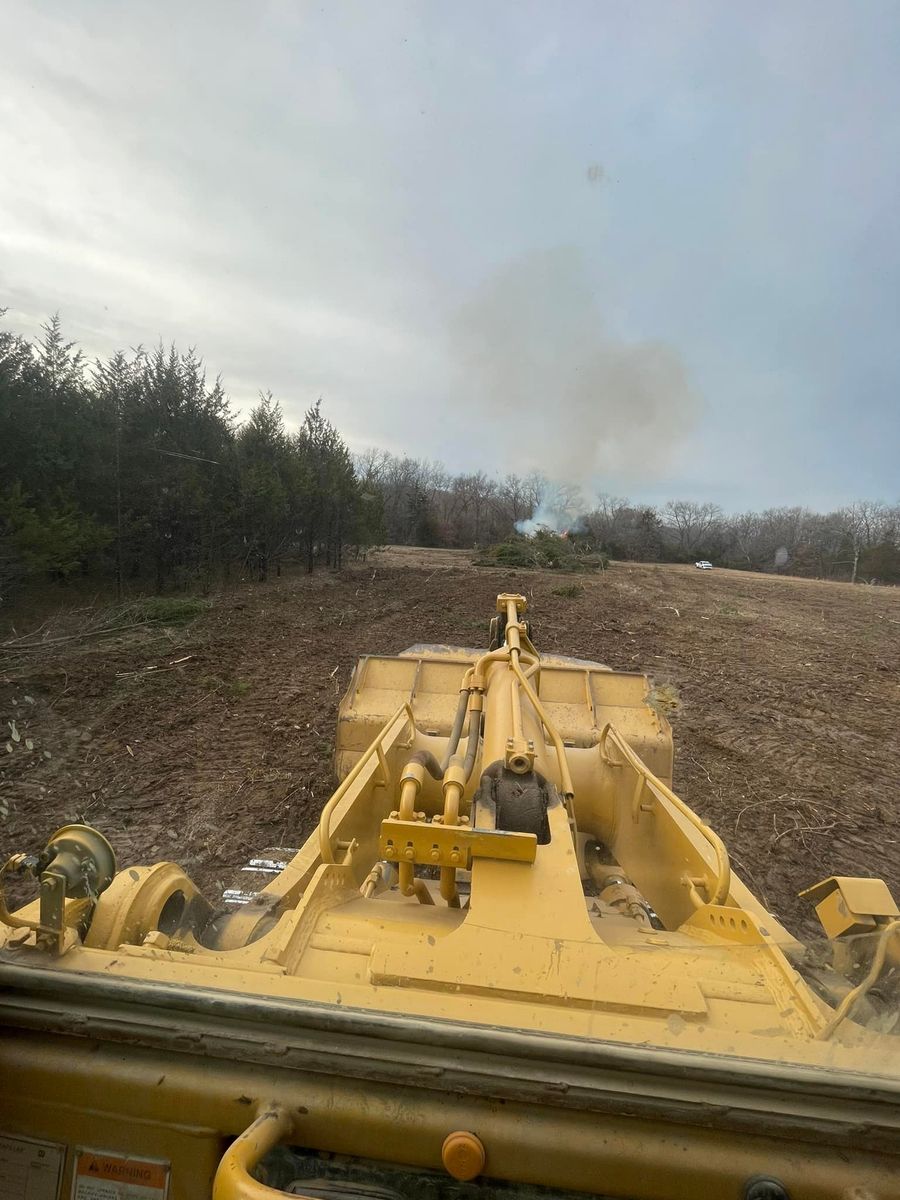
[{"x": 787, "y": 738}]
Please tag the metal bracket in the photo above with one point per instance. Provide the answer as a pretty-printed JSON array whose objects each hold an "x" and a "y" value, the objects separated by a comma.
[
  {"x": 519, "y": 755},
  {"x": 431, "y": 845},
  {"x": 846, "y": 904},
  {"x": 506, "y": 598},
  {"x": 78, "y": 864}
]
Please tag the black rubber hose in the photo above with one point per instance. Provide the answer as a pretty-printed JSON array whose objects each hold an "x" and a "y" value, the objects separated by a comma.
[
  {"x": 429, "y": 762},
  {"x": 456, "y": 731},
  {"x": 475, "y": 720}
]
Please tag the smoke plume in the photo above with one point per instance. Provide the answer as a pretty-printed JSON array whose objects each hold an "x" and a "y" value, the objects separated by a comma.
[
  {"x": 565, "y": 396},
  {"x": 560, "y": 510}
]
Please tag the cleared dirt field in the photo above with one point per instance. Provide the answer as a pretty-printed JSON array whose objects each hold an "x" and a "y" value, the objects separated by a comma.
[{"x": 787, "y": 737}]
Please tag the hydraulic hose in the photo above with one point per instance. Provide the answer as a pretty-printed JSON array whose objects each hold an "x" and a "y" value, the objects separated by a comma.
[
  {"x": 565, "y": 777},
  {"x": 457, "y": 728},
  {"x": 430, "y": 763},
  {"x": 885, "y": 934},
  {"x": 476, "y": 719}
]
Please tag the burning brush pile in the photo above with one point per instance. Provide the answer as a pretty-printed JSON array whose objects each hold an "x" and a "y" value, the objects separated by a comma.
[{"x": 545, "y": 550}]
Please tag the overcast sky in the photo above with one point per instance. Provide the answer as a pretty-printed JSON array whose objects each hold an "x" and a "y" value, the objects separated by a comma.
[{"x": 666, "y": 234}]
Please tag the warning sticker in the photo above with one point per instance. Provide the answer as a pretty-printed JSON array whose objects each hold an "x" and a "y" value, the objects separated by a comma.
[
  {"x": 30, "y": 1170},
  {"x": 102, "y": 1176}
]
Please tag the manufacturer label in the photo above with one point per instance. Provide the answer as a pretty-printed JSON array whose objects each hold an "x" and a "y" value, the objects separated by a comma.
[
  {"x": 102, "y": 1176},
  {"x": 30, "y": 1170}
]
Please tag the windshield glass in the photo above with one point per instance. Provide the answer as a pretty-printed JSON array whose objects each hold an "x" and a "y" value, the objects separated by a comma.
[{"x": 449, "y": 528}]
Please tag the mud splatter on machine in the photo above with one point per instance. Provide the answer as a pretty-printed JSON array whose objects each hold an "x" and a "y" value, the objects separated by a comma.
[{"x": 509, "y": 962}]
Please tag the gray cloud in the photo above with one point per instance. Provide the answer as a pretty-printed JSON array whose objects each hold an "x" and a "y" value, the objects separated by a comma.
[{"x": 315, "y": 196}]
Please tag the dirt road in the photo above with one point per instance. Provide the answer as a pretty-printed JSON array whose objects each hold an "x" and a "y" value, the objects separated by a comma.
[{"x": 787, "y": 738}]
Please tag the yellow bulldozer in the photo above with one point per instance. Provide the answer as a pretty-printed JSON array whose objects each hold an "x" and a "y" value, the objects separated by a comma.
[{"x": 510, "y": 962}]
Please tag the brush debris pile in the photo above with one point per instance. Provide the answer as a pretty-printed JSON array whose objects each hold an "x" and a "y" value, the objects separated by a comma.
[{"x": 545, "y": 550}]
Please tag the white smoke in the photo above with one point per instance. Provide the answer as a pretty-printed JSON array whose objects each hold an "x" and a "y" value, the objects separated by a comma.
[
  {"x": 542, "y": 519},
  {"x": 559, "y": 511}
]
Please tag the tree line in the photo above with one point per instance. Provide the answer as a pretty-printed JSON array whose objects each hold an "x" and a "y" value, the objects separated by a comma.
[
  {"x": 135, "y": 469},
  {"x": 424, "y": 504}
]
